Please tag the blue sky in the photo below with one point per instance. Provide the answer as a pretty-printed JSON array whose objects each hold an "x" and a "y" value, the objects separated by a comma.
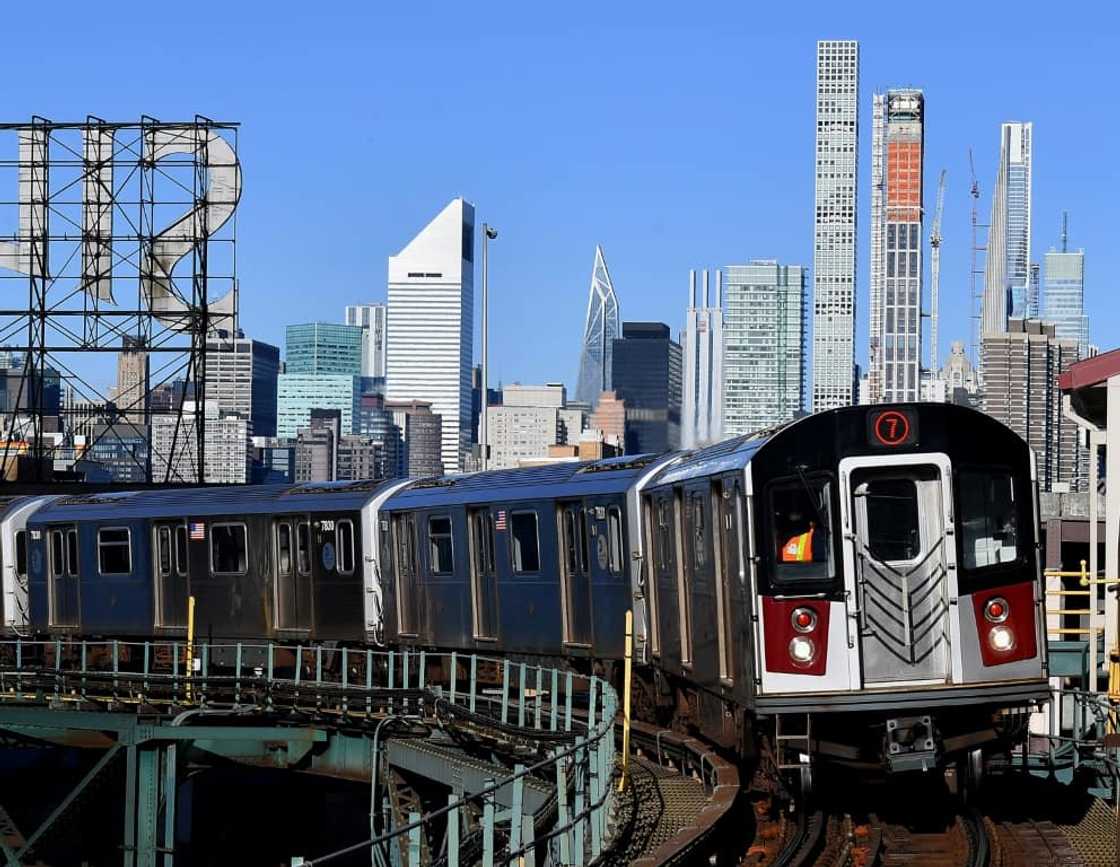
[{"x": 675, "y": 135}]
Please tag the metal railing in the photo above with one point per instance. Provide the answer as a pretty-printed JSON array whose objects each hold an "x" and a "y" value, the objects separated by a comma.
[{"x": 568, "y": 718}]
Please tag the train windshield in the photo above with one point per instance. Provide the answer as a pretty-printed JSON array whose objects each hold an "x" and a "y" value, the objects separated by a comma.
[
  {"x": 801, "y": 527},
  {"x": 989, "y": 519}
]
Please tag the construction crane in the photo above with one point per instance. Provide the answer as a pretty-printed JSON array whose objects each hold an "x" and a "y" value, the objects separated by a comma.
[
  {"x": 935, "y": 274},
  {"x": 975, "y": 300}
]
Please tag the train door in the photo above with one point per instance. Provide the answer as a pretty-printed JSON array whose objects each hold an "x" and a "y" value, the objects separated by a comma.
[
  {"x": 170, "y": 565},
  {"x": 684, "y": 579},
  {"x": 408, "y": 603},
  {"x": 62, "y": 552},
  {"x": 898, "y": 510},
  {"x": 484, "y": 578},
  {"x": 291, "y": 540},
  {"x": 575, "y": 573},
  {"x": 727, "y": 494},
  {"x": 649, "y": 574}
]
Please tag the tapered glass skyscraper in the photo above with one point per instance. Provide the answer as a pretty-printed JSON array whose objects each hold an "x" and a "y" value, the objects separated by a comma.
[{"x": 600, "y": 329}]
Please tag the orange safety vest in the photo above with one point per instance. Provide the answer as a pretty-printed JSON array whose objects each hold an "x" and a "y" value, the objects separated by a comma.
[{"x": 799, "y": 549}]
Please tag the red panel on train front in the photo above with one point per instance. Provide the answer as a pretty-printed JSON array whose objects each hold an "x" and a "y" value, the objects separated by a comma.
[
  {"x": 1019, "y": 620},
  {"x": 780, "y": 633}
]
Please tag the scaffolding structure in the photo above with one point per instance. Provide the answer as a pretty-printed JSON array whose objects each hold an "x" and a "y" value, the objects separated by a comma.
[{"x": 112, "y": 236}]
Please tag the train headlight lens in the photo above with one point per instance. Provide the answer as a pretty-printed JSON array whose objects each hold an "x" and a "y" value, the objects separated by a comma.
[
  {"x": 804, "y": 619},
  {"x": 997, "y": 609},
  {"x": 1001, "y": 639},
  {"x": 802, "y": 650}
]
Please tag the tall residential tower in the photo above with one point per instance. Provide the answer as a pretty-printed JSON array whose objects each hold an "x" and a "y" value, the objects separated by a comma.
[
  {"x": 431, "y": 325},
  {"x": 834, "y": 223},
  {"x": 896, "y": 250},
  {"x": 702, "y": 345}
]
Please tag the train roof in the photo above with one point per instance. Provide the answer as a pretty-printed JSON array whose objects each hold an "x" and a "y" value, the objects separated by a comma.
[
  {"x": 732, "y": 454},
  {"x": 566, "y": 479},
  {"x": 203, "y": 502}
]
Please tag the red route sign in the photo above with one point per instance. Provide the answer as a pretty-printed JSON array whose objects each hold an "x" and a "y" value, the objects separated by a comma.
[{"x": 891, "y": 428}]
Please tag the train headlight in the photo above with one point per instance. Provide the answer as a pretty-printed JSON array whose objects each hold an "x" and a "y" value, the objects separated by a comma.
[
  {"x": 804, "y": 619},
  {"x": 997, "y": 610},
  {"x": 1001, "y": 639},
  {"x": 802, "y": 650}
]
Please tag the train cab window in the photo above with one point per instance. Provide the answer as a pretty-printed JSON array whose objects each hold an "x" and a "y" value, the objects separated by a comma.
[
  {"x": 229, "y": 552},
  {"x": 439, "y": 546},
  {"x": 163, "y": 550},
  {"x": 21, "y": 553},
  {"x": 303, "y": 548},
  {"x": 284, "y": 548},
  {"x": 114, "y": 551},
  {"x": 526, "y": 545},
  {"x": 988, "y": 515},
  {"x": 801, "y": 528},
  {"x": 614, "y": 538},
  {"x": 181, "y": 549},
  {"x": 893, "y": 527},
  {"x": 344, "y": 541}
]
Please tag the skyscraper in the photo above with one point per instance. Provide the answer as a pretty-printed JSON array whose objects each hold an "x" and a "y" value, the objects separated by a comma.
[
  {"x": 646, "y": 375},
  {"x": 834, "y": 223},
  {"x": 430, "y": 325},
  {"x": 702, "y": 402},
  {"x": 241, "y": 377},
  {"x": 371, "y": 319},
  {"x": 764, "y": 345},
  {"x": 1018, "y": 220},
  {"x": 600, "y": 328},
  {"x": 131, "y": 395},
  {"x": 324, "y": 348},
  {"x": 1008, "y": 261},
  {"x": 1065, "y": 293},
  {"x": 896, "y": 231}
]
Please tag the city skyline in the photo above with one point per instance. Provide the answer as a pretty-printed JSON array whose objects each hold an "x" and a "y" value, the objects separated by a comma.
[{"x": 542, "y": 255}]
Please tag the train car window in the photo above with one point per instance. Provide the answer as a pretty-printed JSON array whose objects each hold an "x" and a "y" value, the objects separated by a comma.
[
  {"x": 801, "y": 528},
  {"x": 483, "y": 526},
  {"x": 303, "y": 548},
  {"x": 344, "y": 541},
  {"x": 405, "y": 547},
  {"x": 284, "y": 548},
  {"x": 56, "y": 552},
  {"x": 229, "y": 551},
  {"x": 989, "y": 518},
  {"x": 614, "y": 538},
  {"x": 72, "y": 552},
  {"x": 526, "y": 544},
  {"x": 163, "y": 544},
  {"x": 699, "y": 538},
  {"x": 439, "y": 546},
  {"x": 664, "y": 536},
  {"x": 893, "y": 525},
  {"x": 181, "y": 549},
  {"x": 114, "y": 551},
  {"x": 583, "y": 540},
  {"x": 21, "y": 553}
]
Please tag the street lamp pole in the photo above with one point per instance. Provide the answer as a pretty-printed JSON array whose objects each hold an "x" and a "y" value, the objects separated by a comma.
[{"x": 489, "y": 233}]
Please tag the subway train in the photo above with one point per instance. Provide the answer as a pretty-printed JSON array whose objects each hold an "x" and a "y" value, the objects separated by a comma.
[{"x": 858, "y": 587}]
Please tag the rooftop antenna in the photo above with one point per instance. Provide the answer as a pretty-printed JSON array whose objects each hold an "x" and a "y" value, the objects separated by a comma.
[{"x": 1065, "y": 231}]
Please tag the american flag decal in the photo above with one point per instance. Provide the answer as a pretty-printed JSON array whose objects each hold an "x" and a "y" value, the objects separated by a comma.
[
  {"x": 198, "y": 531},
  {"x": 500, "y": 521}
]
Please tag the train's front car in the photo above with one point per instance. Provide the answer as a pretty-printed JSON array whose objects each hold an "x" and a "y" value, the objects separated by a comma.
[{"x": 900, "y": 616}]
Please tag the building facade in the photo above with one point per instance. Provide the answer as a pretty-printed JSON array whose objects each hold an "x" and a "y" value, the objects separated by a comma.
[
  {"x": 896, "y": 300},
  {"x": 131, "y": 393},
  {"x": 241, "y": 378},
  {"x": 298, "y": 394},
  {"x": 871, "y": 384},
  {"x": 371, "y": 319},
  {"x": 422, "y": 434},
  {"x": 1018, "y": 221},
  {"x": 175, "y": 446},
  {"x": 646, "y": 368},
  {"x": 431, "y": 325},
  {"x": 1065, "y": 294},
  {"x": 323, "y": 348},
  {"x": 529, "y": 420},
  {"x": 764, "y": 345},
  {"x": 121, "y": 450},
  {"x": 834, "y": 224},
  {"x": 601, "y": 327},
  {"x": 1020, "y": 388},
  {"x": 702, "y": 347}
]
